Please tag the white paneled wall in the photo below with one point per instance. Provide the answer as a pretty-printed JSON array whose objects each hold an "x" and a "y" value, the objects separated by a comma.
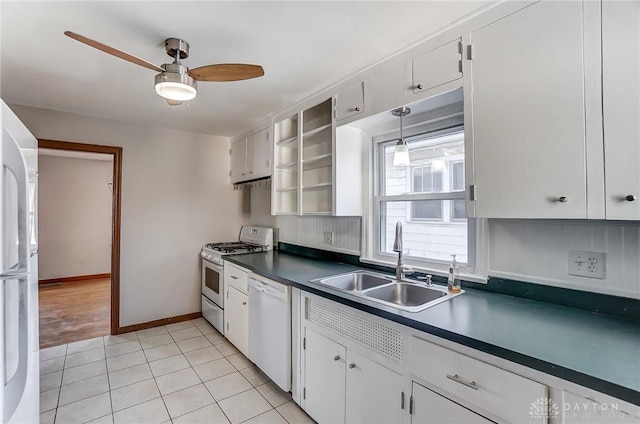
[
  {"x": 309, "y": 231},
  {"x": 538, "y": 251}
]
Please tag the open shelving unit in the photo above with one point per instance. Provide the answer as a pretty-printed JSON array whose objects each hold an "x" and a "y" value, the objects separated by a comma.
[
  {"x": 285, "y": 172},
  {"x": 317, "y": 159}
]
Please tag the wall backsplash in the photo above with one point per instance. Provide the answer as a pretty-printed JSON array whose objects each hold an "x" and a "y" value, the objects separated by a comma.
[{"x": 309, "y": 231}]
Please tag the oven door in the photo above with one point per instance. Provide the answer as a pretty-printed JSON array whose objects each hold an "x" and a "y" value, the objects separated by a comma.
[{"x": 212, "y": 282}]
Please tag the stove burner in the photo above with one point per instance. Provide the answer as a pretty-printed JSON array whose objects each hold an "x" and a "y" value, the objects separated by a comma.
[{"x": 234, "y": 247}]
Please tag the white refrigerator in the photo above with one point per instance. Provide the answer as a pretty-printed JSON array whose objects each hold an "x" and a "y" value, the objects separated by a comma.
[{"x": 19, "y": 344}]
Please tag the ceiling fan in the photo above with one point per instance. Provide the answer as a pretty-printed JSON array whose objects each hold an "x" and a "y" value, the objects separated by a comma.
[{"x": 175, "y": 82}]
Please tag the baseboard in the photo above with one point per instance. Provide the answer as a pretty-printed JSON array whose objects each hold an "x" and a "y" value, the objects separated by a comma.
[
  {"x": 76, "y": 278},
  {"x": 158, "y": 322}
]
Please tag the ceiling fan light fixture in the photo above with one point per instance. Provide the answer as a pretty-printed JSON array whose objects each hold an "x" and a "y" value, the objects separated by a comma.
[{"x": 176, "y": 86}]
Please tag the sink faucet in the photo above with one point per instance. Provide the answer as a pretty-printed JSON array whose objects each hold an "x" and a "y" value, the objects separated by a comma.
[{"x": 401, "y": 268}]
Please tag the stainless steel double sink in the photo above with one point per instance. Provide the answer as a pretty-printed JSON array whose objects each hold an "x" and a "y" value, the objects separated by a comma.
[{"x": 404, "y": 295}]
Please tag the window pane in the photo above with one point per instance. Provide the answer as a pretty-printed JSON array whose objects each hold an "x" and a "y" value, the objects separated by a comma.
[
  {"x": 430, "y": 240},
  {"x": 458, "y": 209},
  {"x": 433, "y": 161},
  {"x": 426, "y": 209}
]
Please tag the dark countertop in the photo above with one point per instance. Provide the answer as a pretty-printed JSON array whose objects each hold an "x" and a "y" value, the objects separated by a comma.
[{"x": 590, "y": 349}]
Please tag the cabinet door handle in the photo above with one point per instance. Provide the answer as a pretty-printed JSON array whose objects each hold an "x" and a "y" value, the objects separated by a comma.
[
  {"x": 563, "y": 199},
  {"x": 630, "y": 197},
  {"x": 419, "y": 86},
  {"x": 352, "y": 365},
  {"x": 357, "y": 109},
  {"x": 458, "y": 379},
  {"x": 336, "y": 358},
  {"x": 244, "y": 303},
  {"x": 234, "y": 277}
]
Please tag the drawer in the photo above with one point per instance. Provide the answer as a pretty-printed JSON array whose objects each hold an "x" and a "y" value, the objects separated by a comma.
[
  {"x": 476, "y": 384},
  {"x": 236, "y": 277}
]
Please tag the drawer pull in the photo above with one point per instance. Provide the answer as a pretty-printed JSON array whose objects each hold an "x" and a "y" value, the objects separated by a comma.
[
  {"x": 336, "y": 358},
  {"x": 234, "y": 277},
  {"x": 460, "y": 380}
]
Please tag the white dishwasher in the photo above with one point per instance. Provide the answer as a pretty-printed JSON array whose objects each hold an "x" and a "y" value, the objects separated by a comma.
[{"x": 270, "y": 329}]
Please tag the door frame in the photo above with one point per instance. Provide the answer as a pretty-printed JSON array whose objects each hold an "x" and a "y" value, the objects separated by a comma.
[{"x": 115, "y": 213}]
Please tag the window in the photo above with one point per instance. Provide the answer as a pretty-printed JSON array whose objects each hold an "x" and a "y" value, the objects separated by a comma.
[{"x": 427, "y": 197}]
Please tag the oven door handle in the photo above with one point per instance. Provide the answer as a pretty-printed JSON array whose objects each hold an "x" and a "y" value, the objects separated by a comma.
[{"x": 213, "y": 266}]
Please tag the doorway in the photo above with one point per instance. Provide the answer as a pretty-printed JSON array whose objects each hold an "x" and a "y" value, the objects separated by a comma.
[{"x": 79, "y": 241}]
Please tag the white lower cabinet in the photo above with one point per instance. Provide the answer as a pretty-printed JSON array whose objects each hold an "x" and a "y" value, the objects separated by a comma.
[
  {"x": 343, "y": 386},
  {"x": 237, "y": 319},
  {"x": 428, "y": 407}
]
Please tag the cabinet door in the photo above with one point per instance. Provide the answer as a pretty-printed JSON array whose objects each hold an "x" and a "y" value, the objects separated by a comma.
[
  {"x": 430, "y": 407},
  {"x": 237, "y": 319},
  {"x": 239, "y": 161},
  {"x": 528, "y": 113},
  {"x": 438, "y": 66},
  {"x": 621, "y": 107},
  {"x": 324, "y": 385},
  {"x": 259, "y": 154},
  {"x": 374, "y": 392},
  {"x": 350, "y": 102}
]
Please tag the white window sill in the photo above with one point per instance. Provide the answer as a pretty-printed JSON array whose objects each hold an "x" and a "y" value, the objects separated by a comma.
[{"x": 466, "y": 276}]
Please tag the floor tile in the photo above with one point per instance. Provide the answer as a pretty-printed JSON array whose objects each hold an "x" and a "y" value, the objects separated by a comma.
[
  {"x": 161, "y": 352},
  {"x": 200, "y": 356},
  {"x": 215, "y": 338},
  {"x": 129, "y": 376},
  {"x": 207, "y": 329},
  {"x": 177, "y": 326},
  {"x": 148, "y": 332},
  {"x": 178, "y": 380},
  {"x": 243, "y": 406},
  {"x": 48, "y": 417},
  {"x": 254, "y": 375},
  {"x": 120, "y": 338},
  {"x": 274, "y": 394},
  {"x": 199, "y": 322},
  {"x": 84, "y": 410},
  {"x": 125, "y": 361},
  {"x": 50, "y": 381},
  {"x": 49, "y": 399},
  {"x": 187, "y": 400},
  {"x": 82, "y": 372},
  {"x": 51, "y": 365},
  {"x": 153, "y": 341},
  {"x": 84, "y": 389},
  {"x": 53, "y": 352},
  {"x": 193, "y": 344},
  {"x": 227, "y": 386},
  {"x": 294, "y": 414},
  {"x": 211, "y": 414},
  {"x": 84, "y": 357},
  {"x": 107, "y": 419},
  {"x": 122, "y": 348},
  {"x": 226, "y": 348},
  {"x": 167, "y": 365},
  {"x": 85, "y": 345},
  {"x": 150, "y": 412},
  {"x": 239, "y": 361},
  {"x": 187, "y": 333},
  {"x": 214, "y": 369},
  {"x": 270, "y": 417},
  {"x": 134, "y": 394}
]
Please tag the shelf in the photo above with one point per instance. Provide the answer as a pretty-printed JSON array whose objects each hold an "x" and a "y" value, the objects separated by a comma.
[
  {"x": 317, "y": 186},
  {"x": 288, "y": 142},
  {"x": 317, "y": 158},
  {"x": 282, "y": 190},
  {"x": 316, "y": 130},
  {"x": 287, "y": 166},
  {"x": 316, "y": 213}
]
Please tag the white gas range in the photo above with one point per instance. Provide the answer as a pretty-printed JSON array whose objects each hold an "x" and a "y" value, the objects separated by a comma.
[{"x": 252, "y": 239}]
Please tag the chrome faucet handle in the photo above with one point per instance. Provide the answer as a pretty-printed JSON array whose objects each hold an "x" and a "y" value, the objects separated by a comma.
[{"x": 427, "y": 280}]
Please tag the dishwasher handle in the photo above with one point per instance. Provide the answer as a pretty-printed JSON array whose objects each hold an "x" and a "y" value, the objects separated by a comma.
[{"x": 265, "y": 288}]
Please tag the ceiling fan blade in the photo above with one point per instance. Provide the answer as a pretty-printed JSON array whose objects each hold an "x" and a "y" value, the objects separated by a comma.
[
  {"x": 226, "y": 72},
  {"x": 173, "y": 102},
  {"x": 115, "y": 52}
]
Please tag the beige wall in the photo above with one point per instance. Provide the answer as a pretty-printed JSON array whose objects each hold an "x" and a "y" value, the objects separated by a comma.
[
  {"x": 74, "y": 217},
  {"x": 176, "y": 196}
]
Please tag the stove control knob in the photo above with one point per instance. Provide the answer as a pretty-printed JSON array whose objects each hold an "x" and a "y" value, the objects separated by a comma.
[
  {"x": 202, "y": 254},
  {"x": 217, "y": 260}
]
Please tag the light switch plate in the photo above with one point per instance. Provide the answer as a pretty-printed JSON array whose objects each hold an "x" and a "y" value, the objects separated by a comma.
[{"x": 585, "y": 263}]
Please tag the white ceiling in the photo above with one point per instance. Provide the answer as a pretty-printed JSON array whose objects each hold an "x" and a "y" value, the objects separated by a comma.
[{"x": 303, "y": 46}]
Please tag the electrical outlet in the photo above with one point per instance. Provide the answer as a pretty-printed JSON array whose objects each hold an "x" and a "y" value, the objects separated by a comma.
[
  {"x": 328, "y": 237},
  {"x": 589, "y": 264}
]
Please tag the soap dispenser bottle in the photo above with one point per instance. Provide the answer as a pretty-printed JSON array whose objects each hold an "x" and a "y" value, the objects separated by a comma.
[{"x": 453, "y": 281}]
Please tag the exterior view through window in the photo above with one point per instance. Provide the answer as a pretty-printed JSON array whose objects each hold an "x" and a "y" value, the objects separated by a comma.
[{"x": 427, "y": 197}]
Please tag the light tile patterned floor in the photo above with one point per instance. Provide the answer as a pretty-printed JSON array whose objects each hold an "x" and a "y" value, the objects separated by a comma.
[{"x": 185, "y": 373}]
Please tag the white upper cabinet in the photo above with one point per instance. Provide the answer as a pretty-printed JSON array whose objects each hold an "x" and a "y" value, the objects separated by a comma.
[
  {"x": 621, "y": 107},
  {"x": 527, "y": 113},
  {"x": 436, "y": 67},
  {"x": 350, "y": 102},
  {"x": 251, "y": 157}
]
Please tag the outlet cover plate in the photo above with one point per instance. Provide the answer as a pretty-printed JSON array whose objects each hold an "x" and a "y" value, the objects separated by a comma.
[
  {"x": 328, "y": 237},
  {"x": 585, "y": 263}
]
